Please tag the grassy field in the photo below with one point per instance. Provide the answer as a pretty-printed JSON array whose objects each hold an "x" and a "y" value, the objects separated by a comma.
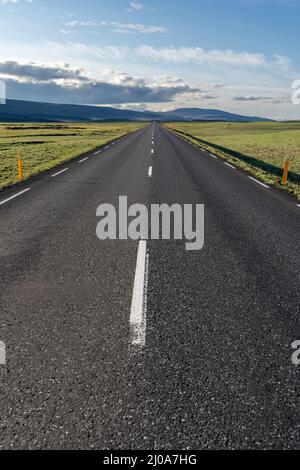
[
  {"x": 47, "y": 145},
  {"x": 260, "y": 148}
]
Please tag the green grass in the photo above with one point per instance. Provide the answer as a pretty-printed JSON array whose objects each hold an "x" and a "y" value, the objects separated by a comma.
[
  {"x": 45, "y": 146},
  {"x": 260, "y": 148}
]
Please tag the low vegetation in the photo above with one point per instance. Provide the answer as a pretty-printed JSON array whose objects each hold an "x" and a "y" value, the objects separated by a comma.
[
  {"x": 44, "y": 146},
  {"x": 260, "y": 148}
]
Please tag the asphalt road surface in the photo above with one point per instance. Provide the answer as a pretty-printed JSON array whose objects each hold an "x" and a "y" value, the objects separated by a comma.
[{"x": 210, "y": 367}]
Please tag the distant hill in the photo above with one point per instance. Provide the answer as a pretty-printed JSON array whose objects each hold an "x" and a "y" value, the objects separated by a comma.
[
  {"x": 197, "y": 114},
  {"x": 29, "y": 111}
]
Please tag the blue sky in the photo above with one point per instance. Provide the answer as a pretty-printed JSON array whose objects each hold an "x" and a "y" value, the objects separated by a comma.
[{"x": 238, "y": 55}]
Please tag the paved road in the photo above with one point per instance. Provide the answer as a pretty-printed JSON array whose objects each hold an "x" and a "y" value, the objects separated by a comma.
[{"x": 215, "y": 370}]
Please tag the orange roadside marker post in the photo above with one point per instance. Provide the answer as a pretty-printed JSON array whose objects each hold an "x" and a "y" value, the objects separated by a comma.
[
  {"x": 285, "y": 172},
  {"x": 20, "y": 165}
]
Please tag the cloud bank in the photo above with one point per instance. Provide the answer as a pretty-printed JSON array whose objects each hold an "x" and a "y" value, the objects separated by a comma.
[{"x": 62, "y": 83}]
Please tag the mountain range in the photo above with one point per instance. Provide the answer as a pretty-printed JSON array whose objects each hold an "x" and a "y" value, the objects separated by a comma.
[{"x": 29, "y": 111}]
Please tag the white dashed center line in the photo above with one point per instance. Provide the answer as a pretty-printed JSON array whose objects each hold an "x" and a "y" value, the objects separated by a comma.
[
  {"x": 139, "y": 298},
  {"x": 152, "y": 151},
  {"x": 60, "y": 172},
  {"x": 259, "y": 182},
  {"x": 150, "y": 172},
  {"x": 13, "y": 197}
]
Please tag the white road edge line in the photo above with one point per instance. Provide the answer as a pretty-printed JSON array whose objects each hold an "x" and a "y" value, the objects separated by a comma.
[
  {"x": 212, "y": 155},
  {"x": 259, "y": 182},
  {"x": 231, "y": 166},
  {"x": 13, "y": 197},
  {"x": 83, "y": 160},
  {"x": 139, "y": 298},
  {"x": 150, "y": 172},
  {"x": 59, "y": 173}
]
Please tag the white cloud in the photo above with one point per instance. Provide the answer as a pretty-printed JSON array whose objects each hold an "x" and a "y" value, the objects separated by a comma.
[
  {"x": 135, "y": 6},
  {"x": 126, "y": 28},
  {"x": 264, "y": 99},
  {"x": 172, "y": 55},
  {"x": 3, "y": 2},
  {"x": 198, "y": 55},
  {"x": 134, "y": 28}
]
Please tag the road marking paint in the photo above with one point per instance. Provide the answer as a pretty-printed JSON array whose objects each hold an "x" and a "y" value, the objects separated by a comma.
[
  {"x": 152, "y": 151},
  {"x": 13, "y": 197},
  {"x": 150, "y": 172},
  {"x": 59, "y": 173},
  {"x": 212, "y": 155},
  {"x": 298, "y": 205},
  {"x": 231, "y": 166},
  {"x": 107, "y": 147},
  {"x": 83, "y": 160},
  {"x": 259, "y": 182},
  {"x": 139, "y": 298}
]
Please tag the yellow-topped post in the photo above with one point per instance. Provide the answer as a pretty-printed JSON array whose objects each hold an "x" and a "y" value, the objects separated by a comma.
[
  {"x": 285, "y": 172},
  {"x": 20, "y": 165}
]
